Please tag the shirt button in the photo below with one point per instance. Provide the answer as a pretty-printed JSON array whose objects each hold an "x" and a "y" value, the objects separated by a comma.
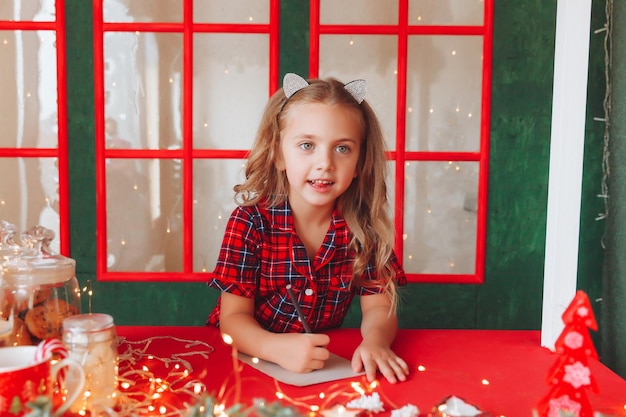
[{"x": 308, "y": 292}]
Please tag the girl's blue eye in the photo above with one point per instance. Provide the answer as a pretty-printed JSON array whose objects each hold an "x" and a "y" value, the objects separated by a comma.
[
  {"x": 306, "y": 146},
  {"x": 343, "y": 149}
]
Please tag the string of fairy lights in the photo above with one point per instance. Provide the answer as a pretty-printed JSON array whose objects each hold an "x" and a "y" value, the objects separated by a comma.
[
  {"x": 152, "y": 385},
  {"x": 169, "y": 386},
  {"x": 606, "y": 104}
]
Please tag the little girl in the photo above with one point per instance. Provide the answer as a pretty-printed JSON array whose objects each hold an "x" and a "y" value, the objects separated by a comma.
[{"x": 313, "y": 220}]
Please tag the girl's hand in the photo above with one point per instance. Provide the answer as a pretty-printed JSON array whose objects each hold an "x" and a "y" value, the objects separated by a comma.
[
  {"x": 296, "y": 352},
  {"x": 371, "y": 357},
  {"x": 301, "y": 352}
]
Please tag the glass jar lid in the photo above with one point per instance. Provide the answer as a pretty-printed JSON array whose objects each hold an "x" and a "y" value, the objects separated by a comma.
[
  {"x": 87, "y": 323},
  {"x": 36, "y": 264}
]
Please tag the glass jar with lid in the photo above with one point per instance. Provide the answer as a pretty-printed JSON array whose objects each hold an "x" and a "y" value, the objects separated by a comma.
[
  {"x": 40, "y": 290},
  {"x": 91, "y": 340}
]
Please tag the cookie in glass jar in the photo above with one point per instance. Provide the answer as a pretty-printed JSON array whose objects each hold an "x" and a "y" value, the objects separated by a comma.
[{"x": 46, "y": 320}]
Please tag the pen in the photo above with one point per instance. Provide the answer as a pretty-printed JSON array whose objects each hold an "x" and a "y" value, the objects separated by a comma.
[{"x": 294, "y": 300}]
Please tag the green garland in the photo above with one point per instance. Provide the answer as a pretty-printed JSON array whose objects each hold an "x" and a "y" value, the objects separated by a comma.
[{"x": 205, "y": 407}]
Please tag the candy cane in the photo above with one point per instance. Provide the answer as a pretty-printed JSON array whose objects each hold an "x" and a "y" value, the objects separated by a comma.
[{"x": 47, "y": 347}]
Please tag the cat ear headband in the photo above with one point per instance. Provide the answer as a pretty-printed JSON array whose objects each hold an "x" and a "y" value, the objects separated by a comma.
[{"x": 292, "y": 83}]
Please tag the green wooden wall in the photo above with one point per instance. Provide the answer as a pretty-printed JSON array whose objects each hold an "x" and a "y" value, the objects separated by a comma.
[{"x": 511, "y": 297}]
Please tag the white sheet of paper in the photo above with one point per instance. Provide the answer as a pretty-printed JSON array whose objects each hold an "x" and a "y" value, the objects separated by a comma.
[{"x": 335, "y": 368}]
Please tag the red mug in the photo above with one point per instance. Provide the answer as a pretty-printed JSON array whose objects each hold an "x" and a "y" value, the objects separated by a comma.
[{"x": 23, "y": 379}]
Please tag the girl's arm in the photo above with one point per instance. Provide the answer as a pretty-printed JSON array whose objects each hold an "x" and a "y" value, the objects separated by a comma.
[
  {"x": 378, "y": 328},
  {"x": 296, "y": 352}
]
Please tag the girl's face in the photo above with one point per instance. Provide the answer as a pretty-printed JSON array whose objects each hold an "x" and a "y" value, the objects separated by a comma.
[{"x": 320, "y": 147}]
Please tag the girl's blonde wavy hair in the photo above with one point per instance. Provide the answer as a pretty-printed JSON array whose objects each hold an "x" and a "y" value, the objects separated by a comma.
[{"x": 363, "y": 205}]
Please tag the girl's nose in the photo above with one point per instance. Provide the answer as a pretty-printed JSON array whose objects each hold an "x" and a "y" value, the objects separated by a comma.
[{"x": 324, "y": 161}]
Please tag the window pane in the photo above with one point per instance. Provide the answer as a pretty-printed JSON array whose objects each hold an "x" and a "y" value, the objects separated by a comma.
[
  {"x": 231, "y": 11},
  {"x": 225, "y": 67},
  {"x": 444, "y": 87},
  {"x": 213, "y": 202},
  {"x": 28, "y": 109},
  {"x": 359, "y": 12},
  {"x": 143, "y": 88},
  {"x": 143, "y": 10},
  {"x": 27, "y": 10},
  {"x": 446, "y": 12},
  {"x": 380, "y": 73},
  {"x": 440, "y": 217},
  {"x": 144, "y": 215},
  {"x": 29, "y": 194}
]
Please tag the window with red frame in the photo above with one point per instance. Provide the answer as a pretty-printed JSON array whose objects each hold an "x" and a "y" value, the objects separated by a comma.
[
  {"x": 180, "y": 90},
  {"x": 33, "y": 116},
  {"x": 428, "y": 67}
]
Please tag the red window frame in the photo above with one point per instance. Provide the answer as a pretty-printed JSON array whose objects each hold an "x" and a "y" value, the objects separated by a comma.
[
  {"x": 187, "y": 154},
  {"x": 400, "y": 155},
  {"x": 61, "y": 151}
]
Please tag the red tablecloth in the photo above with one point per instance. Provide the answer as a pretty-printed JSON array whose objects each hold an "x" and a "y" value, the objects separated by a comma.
[{"x": 501, "y": 372}]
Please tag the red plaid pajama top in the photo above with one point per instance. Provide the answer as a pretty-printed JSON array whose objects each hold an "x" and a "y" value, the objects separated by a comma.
[{"x": 261, "y": 253}]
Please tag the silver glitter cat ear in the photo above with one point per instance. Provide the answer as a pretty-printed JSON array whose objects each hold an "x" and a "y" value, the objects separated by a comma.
[
  {"x": 358, "y": 89},
  {"x": 292, "y": 83}
]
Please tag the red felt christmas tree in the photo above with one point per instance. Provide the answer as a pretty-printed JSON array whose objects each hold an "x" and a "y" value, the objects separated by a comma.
[{"x": 570, "y": 376}]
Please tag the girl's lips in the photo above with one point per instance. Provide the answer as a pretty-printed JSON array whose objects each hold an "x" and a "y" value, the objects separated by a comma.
[{"x": 321, "y": 184}]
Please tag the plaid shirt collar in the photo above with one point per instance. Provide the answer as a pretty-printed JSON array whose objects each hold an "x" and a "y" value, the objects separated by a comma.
[
  {"x": 281, "y": 217},
  {"x": 338, "y": 235}
]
